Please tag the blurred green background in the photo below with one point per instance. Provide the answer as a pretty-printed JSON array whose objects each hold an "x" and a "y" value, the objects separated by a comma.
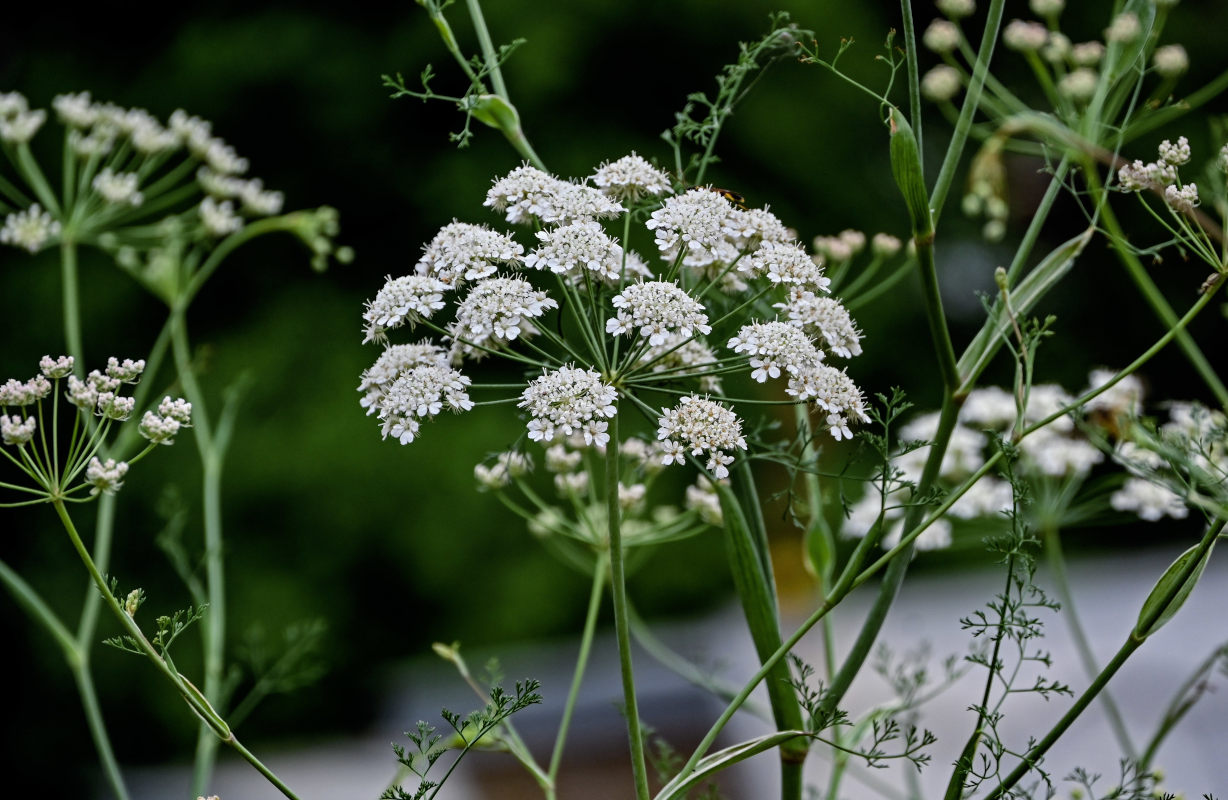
[{"x": 391, "y": 545}]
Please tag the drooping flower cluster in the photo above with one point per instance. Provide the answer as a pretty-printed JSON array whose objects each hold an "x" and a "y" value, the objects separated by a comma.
[
  {"x": 567, "y": 401},
  {"x": 698, "y": 425},
  {"x": 656, "y": 309}
]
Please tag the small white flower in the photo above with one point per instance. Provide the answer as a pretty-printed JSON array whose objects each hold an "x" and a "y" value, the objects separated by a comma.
[
  {"x": 657, "y": 308},
  {"x": 569, "y": 400},
  {"x": 113, "y": 406},
  {"x": 219, "y": 218},
  {"x": 1183, "y": 198},
  {"x": 1170, "y": 60},
  {"x": 1057, "y": 49},
  {"x": 118, "y": 187},
  {"x": 1087, "y": 54},
  {"x": 1024, "y": 36},
  {"x": 465, "y": 252},
  {"x": 693, "y": 222},
  {"x": 630, "y": 178},
  {"x": 15, "y": 430},
  {"x": 701, "y": 426},
  {"x": 957, "y": 9},
  {"x": 21, "y": 127},
  {"x": 76, "y": 110},
  {"x": 942, "y": 36},
  {"x": 497, "y": 311},
  {"x": 53, "y": 368},
  {"x": 396, "y": 359},
  {"x": 560, "y": 459},
  {"x": 1047, "y": 8},
  {"x": 824, "y": 317},
  {"x": 576, "y": 249},
  {"x": 885, "y": 245},
  {"x": 631, "y": 496},
  {"x": 941, "y": 83},
  {"x": 502, "y": 470},
  {"x": 989, "y": 407},
  {"x": 159, "y": 429},
  {"x": 260, "y": 201},
  {"x": 106, "y": 477},
  {"x": 568, "y": 483},
  {"x": 702, "y": 498},
  {"x": 1079, "y": 85},
  {"x": 402, "y": 301},
  {"x": 421, "y": 393},
  {"x": 30, "y": 229},
  {"x": 1125, "y": 27},
  {"x": 128, "y": 371},
  {"x": 1150, "y": 501},
  {"x": 1175, "y": 154},
  {"x": 787, "y": 264},
  {"x": 775, "y": 348},
  {"x": 177, "y": 409},
  {"x": 527, "y": 195}
]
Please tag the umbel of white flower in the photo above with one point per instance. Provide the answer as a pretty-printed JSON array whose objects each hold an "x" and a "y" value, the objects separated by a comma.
[
  {"x": 568, "y": 401},
  {"x": 699, "y": 425}
]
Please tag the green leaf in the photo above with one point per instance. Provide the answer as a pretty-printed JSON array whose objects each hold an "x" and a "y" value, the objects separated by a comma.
[
  {"x": 1172, "y": 590},
  {"x": 722, "y": 759},
  {"x": 1024, "y": 297},
  {"x": 496, "y": 112}
]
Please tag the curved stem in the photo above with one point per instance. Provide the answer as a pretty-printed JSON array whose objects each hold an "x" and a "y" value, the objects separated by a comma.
[
  {"x": 586, "y": 643},
  {"x": 622, "y": 624}
]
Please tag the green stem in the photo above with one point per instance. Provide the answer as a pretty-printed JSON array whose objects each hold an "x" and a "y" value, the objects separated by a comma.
[
  {"x": 622, "y": 625},
  {"x": 972, "y": 99},
  {"x": 70, "y": 290},
  {"x": 98, "y": 729},
  {"x": 1132, "y": 643},
  {"x": 934, "y": 314},
  {"x": 914, "y": 75},
  {"x": 586, "y": 642},
  {"x": 1057, "y": 565},
  {"x": 488, "y": 48}
]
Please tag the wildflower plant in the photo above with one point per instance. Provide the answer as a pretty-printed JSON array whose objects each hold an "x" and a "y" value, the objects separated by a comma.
[
  {"x": 733, "y": 299},
  {"x": 166, "y": 202}
]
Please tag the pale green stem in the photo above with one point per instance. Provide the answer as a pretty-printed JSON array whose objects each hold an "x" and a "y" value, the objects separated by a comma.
[
  {"x": 586, "y": 643},
  {"x": 914, "y": 79},
  {"x": 72, "y": 304},
  {"x": 622, "y": 625},
  {"x": 1057, "y": 565}
]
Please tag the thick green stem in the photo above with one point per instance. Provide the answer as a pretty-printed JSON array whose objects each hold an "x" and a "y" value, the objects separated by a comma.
[
  {"x": 586, "y": 643},
  {"x": 622, "y": 625}
]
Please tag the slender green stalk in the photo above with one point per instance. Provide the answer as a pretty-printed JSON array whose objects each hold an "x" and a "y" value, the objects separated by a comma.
[
  {"x": 72, "y": 303},
  {"x": 1057, "y": 566},
  {"x": 98, "y": 729},
  {"x": 622, "y": 626},
  {"x": 586, "y": 643},
  {"x": 1132, "y": 643},
  {"x": 955, "y": 149},
  {"x": 488, "y": 48},
  {"x": 914, "y": 73}
]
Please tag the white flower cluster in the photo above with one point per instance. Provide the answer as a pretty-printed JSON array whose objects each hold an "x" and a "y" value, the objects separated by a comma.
[
  {"x": 18, "y": 123},
  {"x": 527, "y": 195},
  {"x": 787, "y": 264},
  {"x": 1161, "y": 175},
  {"x": 402, "y": 301},
  {"x": 775, "y": 348},
  {"x": 420, "y": 393},
  {"x": 15, "y": 430},
  {"x": 496, "y": 312},
  {"x": 699, "y": 425},
  {"x": 656, "y": 309},
  {"x": 500, "y": 472},
  {"x": 396, "y": 359},
  {"x": 825, "y": 318},
  {"x": 577, "y": 249},
  {"x": 631, "y": 178},
  {"x": 465, "y": 252},
  {"x": 118, "y": 188},
  {"x": 251, "y": 194},
  {"x": 567, "y": 401},
  {"x": 692, "y": 224},
  {"x": 107, "y": 477},
  {"x": 162, "y": 426},
  {"x": 30, "y": 229}
]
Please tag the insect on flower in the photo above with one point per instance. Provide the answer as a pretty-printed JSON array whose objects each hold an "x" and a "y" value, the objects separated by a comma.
[{"x": 737, "y": 198}]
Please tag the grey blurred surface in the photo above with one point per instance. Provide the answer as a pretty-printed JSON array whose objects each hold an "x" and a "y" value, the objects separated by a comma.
[{"x": 1108, "y": 592}]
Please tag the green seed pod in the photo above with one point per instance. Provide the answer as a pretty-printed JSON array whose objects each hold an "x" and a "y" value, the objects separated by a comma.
[{"x": 906, "y": 167}]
